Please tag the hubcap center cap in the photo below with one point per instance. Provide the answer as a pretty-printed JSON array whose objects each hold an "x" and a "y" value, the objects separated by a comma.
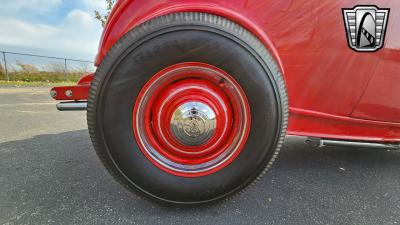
[{"x": 193, "y": 123}]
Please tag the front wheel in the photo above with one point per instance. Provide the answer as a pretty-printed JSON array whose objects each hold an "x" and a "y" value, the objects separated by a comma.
[{"x": 187, "y": 108}]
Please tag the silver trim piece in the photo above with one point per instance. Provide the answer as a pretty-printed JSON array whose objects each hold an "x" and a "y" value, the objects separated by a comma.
[
  {"x": 72, "y": 106},
  {"x": 193, "y": 123},
  {"x": 317, "y": 142},
  {"x": 53, "y": 93},
  {"x": 365, "y": 27},
  {"x": 68, "y": 93}
]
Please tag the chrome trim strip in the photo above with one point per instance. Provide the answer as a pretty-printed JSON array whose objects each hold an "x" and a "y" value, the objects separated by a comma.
[
  {"x": 72, "y": 106},
  {"x": 317, "y": 142}
]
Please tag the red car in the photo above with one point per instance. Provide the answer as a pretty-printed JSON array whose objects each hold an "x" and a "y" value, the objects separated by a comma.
[{"x": 192, "y": 99}]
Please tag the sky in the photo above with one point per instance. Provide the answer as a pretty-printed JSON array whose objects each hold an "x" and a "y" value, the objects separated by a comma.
[{"x": 61, "y": 28}]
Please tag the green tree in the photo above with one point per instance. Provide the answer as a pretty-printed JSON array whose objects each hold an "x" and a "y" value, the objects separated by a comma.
[{"x": 102, "y": 17}]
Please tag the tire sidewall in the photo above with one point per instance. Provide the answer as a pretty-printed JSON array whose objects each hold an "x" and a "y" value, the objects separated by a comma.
[{"x": 134, "y": 60}]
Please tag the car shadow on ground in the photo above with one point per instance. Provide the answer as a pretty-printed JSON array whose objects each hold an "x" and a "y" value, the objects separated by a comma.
[{"x": 57, "y": 179}]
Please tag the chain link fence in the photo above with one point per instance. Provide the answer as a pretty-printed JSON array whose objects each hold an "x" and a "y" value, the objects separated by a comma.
[{"x": 28, "y": 67}]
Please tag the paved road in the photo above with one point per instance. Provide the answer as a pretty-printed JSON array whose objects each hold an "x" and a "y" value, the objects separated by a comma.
[{"x": 49, "y": 174}]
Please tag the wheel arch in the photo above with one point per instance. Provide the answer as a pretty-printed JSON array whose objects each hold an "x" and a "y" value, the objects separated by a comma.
[{"x": 126, "y": 17}]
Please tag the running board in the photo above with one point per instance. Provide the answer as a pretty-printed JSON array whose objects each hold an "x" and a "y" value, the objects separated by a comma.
[
  {"x": 72, "y": 106},
  {"x": 318, "y": 142}
]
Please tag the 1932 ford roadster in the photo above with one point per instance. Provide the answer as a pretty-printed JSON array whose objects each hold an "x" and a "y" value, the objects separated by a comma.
[{"x": 192, "y": 99}]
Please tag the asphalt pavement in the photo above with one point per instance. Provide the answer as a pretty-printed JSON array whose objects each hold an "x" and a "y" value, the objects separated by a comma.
[{"x": 50, "y": 174}]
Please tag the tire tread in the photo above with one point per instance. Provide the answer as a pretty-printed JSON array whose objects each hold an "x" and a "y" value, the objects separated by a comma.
[{"x": 187, "y": 18}]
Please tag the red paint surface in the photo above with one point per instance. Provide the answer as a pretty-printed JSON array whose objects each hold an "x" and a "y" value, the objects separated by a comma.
[
  {"x": 79, "y": 91},
  {"x": 314, "y": 124},
  {"x": 86, "y": 79},
  {"x": 308, "y": 40},
  {"x": 191, "y": 90},
  {"x": 212, "y": 94}
]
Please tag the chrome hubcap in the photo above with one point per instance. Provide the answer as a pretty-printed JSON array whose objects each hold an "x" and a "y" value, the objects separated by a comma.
[{"x": 193, "y": 123}]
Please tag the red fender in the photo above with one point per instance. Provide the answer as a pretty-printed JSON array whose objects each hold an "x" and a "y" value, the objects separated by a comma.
[
  {"x": 126, "y": 16},
  {"x": 295, "y": 33}
]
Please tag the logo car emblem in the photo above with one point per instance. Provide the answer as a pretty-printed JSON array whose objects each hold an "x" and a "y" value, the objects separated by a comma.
[
  {"x": 194, "y": 127},
  {"x": 365, "y": 27}
]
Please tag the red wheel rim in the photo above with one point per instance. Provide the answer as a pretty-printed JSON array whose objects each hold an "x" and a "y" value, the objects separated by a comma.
[{"x": 191, "y": 119}]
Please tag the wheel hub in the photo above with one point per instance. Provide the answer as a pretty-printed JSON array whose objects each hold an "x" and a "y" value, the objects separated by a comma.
[
  {"x": 191, "y": 119},
  {"x": 193, "y": 123}
]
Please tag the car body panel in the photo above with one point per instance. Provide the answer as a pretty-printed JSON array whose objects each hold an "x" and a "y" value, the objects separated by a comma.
[
  {"x": 334, "y": 92},
  {"x": 381, "y": 100}
]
